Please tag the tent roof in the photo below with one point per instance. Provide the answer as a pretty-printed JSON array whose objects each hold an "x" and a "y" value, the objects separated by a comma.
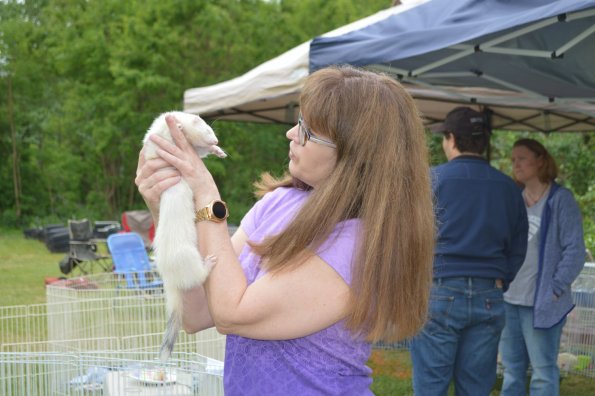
[
  {"x": 270, "y": 91},
  {"x": 446, "y": 53},
  {"x": 543, "y": 50}
]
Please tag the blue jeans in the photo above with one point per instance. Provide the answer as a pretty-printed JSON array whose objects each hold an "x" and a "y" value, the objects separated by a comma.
[
  {"x": 522, "y": 344},
  {"x": 460, "y": 339}
]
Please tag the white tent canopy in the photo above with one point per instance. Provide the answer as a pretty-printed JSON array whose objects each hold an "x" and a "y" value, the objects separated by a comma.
[{"x": 270, "y": 92}]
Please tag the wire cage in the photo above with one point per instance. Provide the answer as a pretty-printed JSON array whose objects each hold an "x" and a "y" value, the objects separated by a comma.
[
  {"x": 97, "y": 336},
  {"x": 108, "y": 373},
  {"x": 102, "y": 306},
  {"x": 577, "y": 345}
]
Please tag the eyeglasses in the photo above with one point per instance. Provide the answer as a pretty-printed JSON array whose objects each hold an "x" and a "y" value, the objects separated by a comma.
[{"x": 305, "y": 134}]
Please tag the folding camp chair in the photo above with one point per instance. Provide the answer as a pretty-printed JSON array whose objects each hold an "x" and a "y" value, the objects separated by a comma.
[
  {"x": 131, "y": 261},
  {"x": 83, "y": 254},
  {"x": 104, "y": 228}
]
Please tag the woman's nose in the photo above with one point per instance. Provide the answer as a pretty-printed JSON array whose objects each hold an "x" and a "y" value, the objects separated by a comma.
[{"x": 292, "y": 133}]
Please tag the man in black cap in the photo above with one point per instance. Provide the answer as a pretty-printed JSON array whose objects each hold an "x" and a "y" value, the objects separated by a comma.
[{"x": 481, "y": 244}]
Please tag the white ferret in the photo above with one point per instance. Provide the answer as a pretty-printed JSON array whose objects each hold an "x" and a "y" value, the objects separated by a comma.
[{"x": 178, "y": 260}]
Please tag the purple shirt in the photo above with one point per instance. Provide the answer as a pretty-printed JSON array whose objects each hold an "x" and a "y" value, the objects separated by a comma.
[{"x": 329, "y": 362}]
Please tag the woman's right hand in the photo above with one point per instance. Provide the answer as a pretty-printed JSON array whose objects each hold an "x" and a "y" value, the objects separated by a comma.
[{"x": 153, "y": 177}]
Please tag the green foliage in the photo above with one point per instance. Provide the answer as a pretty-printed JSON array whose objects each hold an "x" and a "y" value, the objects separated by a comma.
[
  {"x": 252, "y": 149},
  {"x": 89, "y": 76},
  {"x": 434, "y": 142}
]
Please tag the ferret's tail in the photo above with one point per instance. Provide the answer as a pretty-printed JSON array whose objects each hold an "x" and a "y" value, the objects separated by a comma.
[{"x": 174, "y": 324}]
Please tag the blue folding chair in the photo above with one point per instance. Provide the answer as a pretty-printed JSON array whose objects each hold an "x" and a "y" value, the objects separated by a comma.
[{"x": 131, "y": 260}]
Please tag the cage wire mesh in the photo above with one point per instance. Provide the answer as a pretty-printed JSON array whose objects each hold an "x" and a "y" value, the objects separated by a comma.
[
  {"x": 108, "y": 373},
  {"x": 577, "y": 345},
  {"x": 100, "y": 306},
  {"x": 95, "y": 335}
]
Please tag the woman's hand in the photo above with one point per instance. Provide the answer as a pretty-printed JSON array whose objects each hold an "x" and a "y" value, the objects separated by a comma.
[{"x": 152, "y": 178}]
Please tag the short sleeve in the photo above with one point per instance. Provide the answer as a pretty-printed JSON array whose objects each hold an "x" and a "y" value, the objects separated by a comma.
[
  {"x": 341, "y": 248},
  {"x": 253, "y": 218},
  {"x": 271, "y": 215},
  {"x": 248, "y": 223}
]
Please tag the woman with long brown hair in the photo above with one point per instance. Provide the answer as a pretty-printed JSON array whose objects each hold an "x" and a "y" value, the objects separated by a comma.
[{"x": 333, "y": 257}]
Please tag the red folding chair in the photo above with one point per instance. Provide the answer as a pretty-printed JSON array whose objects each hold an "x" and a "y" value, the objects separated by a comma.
[{"x": 141, "y": 222}]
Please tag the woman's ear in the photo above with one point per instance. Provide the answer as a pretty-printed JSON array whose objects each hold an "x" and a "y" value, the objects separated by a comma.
[{"x": 540, "y": 161}]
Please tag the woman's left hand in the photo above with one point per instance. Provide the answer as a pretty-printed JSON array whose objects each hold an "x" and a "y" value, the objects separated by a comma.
[{"x": 184, "y": 158}]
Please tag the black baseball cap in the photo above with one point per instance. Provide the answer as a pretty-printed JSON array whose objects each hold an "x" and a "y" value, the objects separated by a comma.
[{"x": 463, "y": 121}]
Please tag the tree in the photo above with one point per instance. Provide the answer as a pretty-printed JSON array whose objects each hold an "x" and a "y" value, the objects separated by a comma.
[{"x": 87, "y": 77}]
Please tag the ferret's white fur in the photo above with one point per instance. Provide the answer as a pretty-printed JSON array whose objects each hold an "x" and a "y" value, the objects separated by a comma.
[{"x": 176, "y": 252}]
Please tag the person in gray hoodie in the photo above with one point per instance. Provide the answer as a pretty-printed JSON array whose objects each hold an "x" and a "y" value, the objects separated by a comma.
[{"x": 539, "y": 297}]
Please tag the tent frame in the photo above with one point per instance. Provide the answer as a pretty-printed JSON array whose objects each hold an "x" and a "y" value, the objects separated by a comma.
[{"x": 270, "y": 92}]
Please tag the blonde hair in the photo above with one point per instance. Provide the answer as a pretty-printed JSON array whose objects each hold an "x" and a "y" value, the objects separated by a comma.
[
  {"x": 381, "y": 177},
  {"x": 268, "y": 183},
  {"x": 548, "y": 171}
]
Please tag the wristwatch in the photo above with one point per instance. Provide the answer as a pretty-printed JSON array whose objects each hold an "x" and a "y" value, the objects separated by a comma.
[{"x": 215, "y": 211}]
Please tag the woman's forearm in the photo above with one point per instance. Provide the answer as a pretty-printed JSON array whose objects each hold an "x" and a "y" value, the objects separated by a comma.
[
  {"x": 196, "y": 315},
  {"x": 226, "y": 283}
]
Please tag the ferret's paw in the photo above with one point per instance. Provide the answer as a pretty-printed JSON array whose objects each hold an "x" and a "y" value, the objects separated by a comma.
[
  {"x": 218, "y": 151},
  {"x": 210, "y": 262}
]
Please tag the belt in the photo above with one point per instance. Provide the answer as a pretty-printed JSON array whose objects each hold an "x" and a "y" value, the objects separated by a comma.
[{"x": 498, "y": 283}]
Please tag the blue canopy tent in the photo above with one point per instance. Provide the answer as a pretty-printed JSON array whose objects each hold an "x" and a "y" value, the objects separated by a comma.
[{"x": 533, "y": 56}]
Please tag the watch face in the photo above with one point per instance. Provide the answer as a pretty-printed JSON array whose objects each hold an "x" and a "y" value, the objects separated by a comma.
[{"x": 219, "y": 210}]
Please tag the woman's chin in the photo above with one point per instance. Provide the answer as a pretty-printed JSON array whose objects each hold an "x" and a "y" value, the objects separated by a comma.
[{"x": 293, "y": 171}]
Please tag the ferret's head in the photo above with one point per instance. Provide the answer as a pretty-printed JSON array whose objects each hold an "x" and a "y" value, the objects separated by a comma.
[{"x": 197, "y": 131}]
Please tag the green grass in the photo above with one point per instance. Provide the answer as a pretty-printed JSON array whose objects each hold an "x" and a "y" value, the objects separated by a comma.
[
  {"x": 391, "y": 371},
  {"x": 24, "y": 263},
  {"x": 392, "y": 376}
]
